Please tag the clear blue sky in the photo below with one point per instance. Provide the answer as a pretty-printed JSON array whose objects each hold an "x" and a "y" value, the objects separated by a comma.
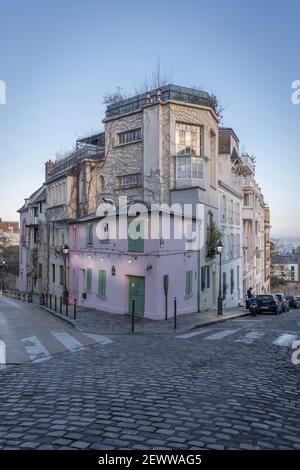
[{"x": 58, "y": 58}]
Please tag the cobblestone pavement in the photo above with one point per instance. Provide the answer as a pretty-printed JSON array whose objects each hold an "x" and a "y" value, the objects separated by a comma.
[{"x": 226, "y": 386}]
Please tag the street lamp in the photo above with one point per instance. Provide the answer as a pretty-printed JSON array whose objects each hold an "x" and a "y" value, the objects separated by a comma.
[
  {"x": 220, "y": 249},
  {"x": 65, "y": 251},
  {"x": 3, "y": 266}
]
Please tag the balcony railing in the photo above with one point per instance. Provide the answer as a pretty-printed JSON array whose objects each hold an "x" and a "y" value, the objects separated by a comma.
[
  {"x": 166, "y": 93},
  {"x": 90, "y": 152}
]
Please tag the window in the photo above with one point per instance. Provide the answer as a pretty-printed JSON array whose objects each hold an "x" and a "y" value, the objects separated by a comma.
[
  {"x": 208, "y": 277},
  {"x": 53, "y": 273},
  {"x": 89, "y": 275},
  {"x": 190, "y": 167},
  {"x": 189, "y": 237},
  {"x": 189, "y": 140},
  {"x": 61, "y": 275},
  {"x": 102, "y": 283},
  {"x": 35, "y": 235},
  {"x": 202, "y": 278},
  {"x": 231, "y": 281},
  {"x": 101, "y": 184},
  {"x": 231, "y": 211},
  {"x": 129, "y": 181},
  {"x": 129, "y": 136},
  {"x": 89, "y": 234},
  {"x": 246, "y": 199},
  {"x": 188, "y": 283},
  {"x": 223, "y": 208},
  {"x": 136, "y": 228},
  {"x": 189, "y": 151}
]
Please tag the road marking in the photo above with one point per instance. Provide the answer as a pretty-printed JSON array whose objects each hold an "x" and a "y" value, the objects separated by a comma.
[
  {"x": 68, "y": 341},
  {"x": 2, "y": 352},
  {"x": 99, "y": 338},
  {"x": 221, "y": 334},
  {"x": 284, "y": 340},
  {"x": 250, "y": 337},
  {"x": 194, "y": 333},
  {"x": 35, "y": 349}
]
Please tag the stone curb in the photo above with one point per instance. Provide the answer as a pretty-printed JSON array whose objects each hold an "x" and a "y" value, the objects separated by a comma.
[
  {"x": 57, "y": 315},
  {"x": 221, "y": 319}
]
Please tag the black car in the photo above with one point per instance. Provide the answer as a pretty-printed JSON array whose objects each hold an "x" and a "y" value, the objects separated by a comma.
[
  {"x": 268, "y": 303},
  {"x": 293, "y": 301}
]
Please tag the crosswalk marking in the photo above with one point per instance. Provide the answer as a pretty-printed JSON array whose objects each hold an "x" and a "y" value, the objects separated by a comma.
[
  {"x": 250, "y": 337},
  {"x": 221, "y": 334},
  {"x": 194, "y": 333},
  {"x": 35, "y": 349},
  {"x": 67, "y": 340},
  {"x": 284, "y": 340},
  {"x": 99, "y": 338}
]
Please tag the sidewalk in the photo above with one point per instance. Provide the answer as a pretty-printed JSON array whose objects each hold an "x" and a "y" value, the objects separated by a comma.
[{"x": 97, "y": 322}]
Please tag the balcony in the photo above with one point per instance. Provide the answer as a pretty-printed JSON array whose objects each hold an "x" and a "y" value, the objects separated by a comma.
[
  {"x": 164, "y": 94},
  {"x": 247, "y": 163},
  {"x": 86, "y": 152},
  {"x": 247, "y": 213}
]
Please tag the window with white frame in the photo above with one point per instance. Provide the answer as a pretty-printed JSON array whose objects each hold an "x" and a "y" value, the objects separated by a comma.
[
  {"x": 128, "y": 137},
  {"x": 189, "y": 151}
]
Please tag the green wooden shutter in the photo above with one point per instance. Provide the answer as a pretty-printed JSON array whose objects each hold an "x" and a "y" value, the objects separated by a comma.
[
  {"x": 89, "y": 275},
  {"x": 89, "y": 234},
  {"x": 137, "y": 245},
  {"x": 102, "y": 283},
  {"x": 188, "y": 283}
]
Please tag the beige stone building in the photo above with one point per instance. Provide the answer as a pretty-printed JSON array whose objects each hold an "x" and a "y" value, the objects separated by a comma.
[
  {"x": 73, "y": 187},
  {"x": 162, "y": 147},
  {"x": 230, "y": 216},
  {"x": 253, "y": 229}
]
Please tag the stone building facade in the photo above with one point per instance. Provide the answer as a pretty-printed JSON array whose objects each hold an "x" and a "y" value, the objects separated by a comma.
[{"x": 230, "y": 216}]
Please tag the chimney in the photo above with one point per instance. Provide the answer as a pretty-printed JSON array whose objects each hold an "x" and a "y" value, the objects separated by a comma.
[{"x": 48, "y": 168}]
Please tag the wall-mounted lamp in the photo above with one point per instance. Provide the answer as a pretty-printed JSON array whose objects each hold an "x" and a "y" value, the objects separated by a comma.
[
  {"x": 130, "y": 261},
  {"x": 149, "y": 267}
]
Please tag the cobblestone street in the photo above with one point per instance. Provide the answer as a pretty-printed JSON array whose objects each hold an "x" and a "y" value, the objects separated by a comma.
[{"x": 226, "y": 386}]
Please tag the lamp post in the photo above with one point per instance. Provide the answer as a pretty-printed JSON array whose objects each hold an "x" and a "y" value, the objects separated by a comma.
[
  {"x": 220, "y": 249},
  {"x": 3, "y": 266},
  {"x": 65, "y": 251}
]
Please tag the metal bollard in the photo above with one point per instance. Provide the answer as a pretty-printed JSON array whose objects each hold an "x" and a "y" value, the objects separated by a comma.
[
  {"x": 175, "y": 313},
  {"x": 55, "y": 303},
  {"x": 60, "y": 305},
  {"x": 46, "y": 300},
  {"x": 75, "y": 308},
  {"x": 50, "y": 302},
  {"x": 67, "y": 306},
  {"x": 132, "y": 316}
]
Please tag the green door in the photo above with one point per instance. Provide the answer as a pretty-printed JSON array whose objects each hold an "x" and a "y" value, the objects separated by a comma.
[{"x": 137, "y": 293}]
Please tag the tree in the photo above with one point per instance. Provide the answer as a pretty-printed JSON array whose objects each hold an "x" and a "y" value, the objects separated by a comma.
[{"x": 277, "y": 281}]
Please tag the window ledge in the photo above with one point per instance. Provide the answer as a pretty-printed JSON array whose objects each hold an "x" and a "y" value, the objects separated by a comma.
[{"x": 128, "y": 143}]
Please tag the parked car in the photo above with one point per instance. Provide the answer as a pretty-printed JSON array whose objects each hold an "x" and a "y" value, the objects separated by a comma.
[
  {"x": 293, "y": 301},
  {"x": 284, "y": 303},
  {"x": 268, "y": 303}
]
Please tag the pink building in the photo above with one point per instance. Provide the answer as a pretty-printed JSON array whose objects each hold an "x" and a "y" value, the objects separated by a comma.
[{"x": 107, "y": 273}]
